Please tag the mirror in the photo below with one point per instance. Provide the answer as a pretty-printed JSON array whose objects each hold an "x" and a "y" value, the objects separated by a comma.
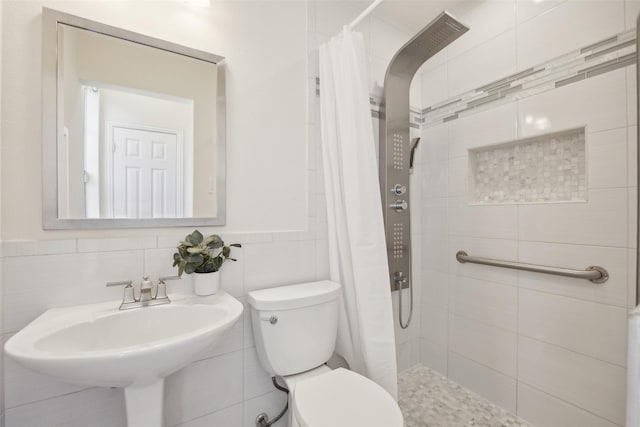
[{"x": 133, "y": 129}]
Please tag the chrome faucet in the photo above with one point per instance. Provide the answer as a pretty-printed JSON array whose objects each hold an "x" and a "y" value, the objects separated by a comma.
[{"x": 147, "y": 297}]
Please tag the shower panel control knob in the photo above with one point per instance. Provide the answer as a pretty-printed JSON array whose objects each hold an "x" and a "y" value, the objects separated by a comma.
[
  {"x": 399, "y": 189},
  {"x": 399, "y": 278},
  {"x": 399, "y": 205}
]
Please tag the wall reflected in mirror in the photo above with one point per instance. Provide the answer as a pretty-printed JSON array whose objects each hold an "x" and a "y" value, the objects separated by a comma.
[{"x": 136, "y": 130}]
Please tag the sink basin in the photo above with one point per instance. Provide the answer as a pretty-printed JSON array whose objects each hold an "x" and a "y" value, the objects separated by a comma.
[{"x": 99, "y": 345}]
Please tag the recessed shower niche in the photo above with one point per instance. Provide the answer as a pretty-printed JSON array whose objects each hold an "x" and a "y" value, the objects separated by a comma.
[{"x": 549, "y": 168}]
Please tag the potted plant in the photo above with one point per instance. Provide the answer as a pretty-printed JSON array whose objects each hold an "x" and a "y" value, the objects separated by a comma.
[{"x": 203, "y": 258}]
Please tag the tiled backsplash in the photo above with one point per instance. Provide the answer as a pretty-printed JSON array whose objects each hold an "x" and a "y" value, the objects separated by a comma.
[{"x": 545, "y": 168}]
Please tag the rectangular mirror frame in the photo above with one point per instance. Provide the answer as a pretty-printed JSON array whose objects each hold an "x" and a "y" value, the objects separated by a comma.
[{"x": 51, "y": 18}]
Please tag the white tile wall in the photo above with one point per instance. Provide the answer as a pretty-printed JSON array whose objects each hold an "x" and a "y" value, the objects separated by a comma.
[
  {"x": 434, "y": 324},
  {"x": 632, "y": 9},
  {"x": 567, "y": 27},
  {"x": 613, "y": 292},
  {"x": 632, "y": 154},
  {"x": 593, "y": 329},
  {"x": 458, "y": 176},
  {"x": 495, "y": 386},
  {"x": 602, "y": 221},
  {"x": 274, "y": 401},
  {"x": 631, "y": 266},
  {"x": 434, "y": 252},
  {"x": 434, "y": 356},
  {"x": 23, "y": 386},
  {"x": 492, "y": 347},
  {"x": 282, "y": 262},
  {"x": 526, "y": 9},
  {"x": 487, "y": 22},
  {"x": 550, "y": 348},
  {"x": 34, "y": 283},
  {"x": 632, "y": 116},
  {"x": 434, "y": 179},
  {"x": 435, "y": 88},
  {"x": 600, "y": 103},
  {"x": 488, "y": 127},
  {"x": 632, "y": 214},
  {"x": 490, "y": 248},
  {"x": 44, "y": 247},
  {"x": 434, "y": 147},
  {"x": 607, "y": 158},
  {"x": 495, "y": 57},
  {"x": 94, "y": 407},
  {"x": 498, "y": 221},
  {"x": 433, "y": 215},
  {"x": 203, "y": 387},
  {"x": 228, "y": 417},
  {"x": 435, "y": 288},
  {"x": 490, "y": 303},
  {"x": 405, "y": 354},
  {"x": 542, "y": 409},
  {"x": 407, "y": 339},
  {"x": 588, "y": 383},
  {"x": 117, "y": 244},
  {"x": 386, "y": 40}
]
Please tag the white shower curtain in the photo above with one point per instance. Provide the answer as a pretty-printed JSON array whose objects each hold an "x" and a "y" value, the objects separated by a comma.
[{"x": 357, "y": 247}]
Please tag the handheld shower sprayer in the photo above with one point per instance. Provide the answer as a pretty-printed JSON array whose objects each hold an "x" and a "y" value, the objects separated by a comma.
[{"x": 414, "y": 145}]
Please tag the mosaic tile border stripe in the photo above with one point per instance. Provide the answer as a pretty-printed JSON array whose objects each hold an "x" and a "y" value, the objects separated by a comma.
[
  {"x": 414, "y": 121},
  {"x": 590, "y": 61},
  {"x": 593, "y": 60}
]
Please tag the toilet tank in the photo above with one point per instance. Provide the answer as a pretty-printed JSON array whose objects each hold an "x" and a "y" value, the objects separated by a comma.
[{"x": 295, "y": 327}]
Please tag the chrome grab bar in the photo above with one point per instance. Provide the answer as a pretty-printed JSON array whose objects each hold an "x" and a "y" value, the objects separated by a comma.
[{"x": 593, "y": 273}]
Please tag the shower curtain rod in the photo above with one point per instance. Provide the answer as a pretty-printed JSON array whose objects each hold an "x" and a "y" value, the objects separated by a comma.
[{"x": 364, "y": 14}]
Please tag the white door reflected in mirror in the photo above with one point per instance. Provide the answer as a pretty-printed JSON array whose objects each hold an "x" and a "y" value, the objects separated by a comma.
[
  {"x": 139, "y": 171},
  {"x": 145, "y": 179}
]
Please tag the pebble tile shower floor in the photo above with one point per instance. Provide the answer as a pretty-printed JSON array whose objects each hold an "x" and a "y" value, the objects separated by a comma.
[{"x": 428, "y": 399}]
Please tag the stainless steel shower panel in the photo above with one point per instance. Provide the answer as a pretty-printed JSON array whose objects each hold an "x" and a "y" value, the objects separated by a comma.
[{"x": 395, "y": 143}]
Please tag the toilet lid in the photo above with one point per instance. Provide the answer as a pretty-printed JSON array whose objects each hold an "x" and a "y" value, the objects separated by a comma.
[{"x": 347, "y": 400}]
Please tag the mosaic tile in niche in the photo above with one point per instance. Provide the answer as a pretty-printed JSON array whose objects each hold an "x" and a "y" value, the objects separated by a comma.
[{"x": 542, "y": 169}]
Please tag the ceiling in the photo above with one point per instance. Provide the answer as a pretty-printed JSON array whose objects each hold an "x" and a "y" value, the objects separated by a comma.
[{"x": 413, "y": 15}]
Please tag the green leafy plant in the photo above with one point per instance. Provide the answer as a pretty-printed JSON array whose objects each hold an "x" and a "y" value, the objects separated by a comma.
[{"x": 197, "y": 254}]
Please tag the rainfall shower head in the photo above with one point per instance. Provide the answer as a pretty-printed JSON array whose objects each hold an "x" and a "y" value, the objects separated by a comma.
[{"x": 430, "y": 40}]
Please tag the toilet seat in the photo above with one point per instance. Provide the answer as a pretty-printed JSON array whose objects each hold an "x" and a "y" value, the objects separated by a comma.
[{"x": 342, "y": 398}]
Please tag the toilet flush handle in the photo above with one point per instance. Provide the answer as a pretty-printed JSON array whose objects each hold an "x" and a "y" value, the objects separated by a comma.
[{"x": 273, "y": 319}]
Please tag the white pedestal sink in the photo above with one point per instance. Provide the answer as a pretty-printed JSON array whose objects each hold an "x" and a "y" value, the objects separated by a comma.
[{"x": 99, "y": 345}]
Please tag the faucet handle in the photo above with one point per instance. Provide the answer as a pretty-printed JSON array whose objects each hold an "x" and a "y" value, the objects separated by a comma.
[
  {"x": 161, "y": 290},
  {"x": 122, "y": 283},
  {"x": 129, "y": 295}
]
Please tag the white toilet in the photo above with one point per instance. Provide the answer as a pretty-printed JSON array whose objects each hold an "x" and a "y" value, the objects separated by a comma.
[{"x": 295, "y": 329}]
